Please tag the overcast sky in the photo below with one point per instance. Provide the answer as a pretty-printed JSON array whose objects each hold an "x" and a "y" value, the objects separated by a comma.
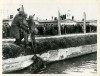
[{"x": 44, "y": 9}]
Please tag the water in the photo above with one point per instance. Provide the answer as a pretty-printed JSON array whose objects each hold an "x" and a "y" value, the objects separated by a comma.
[
  {"x": 81, "y": 65},
  {"x": 76, "y": 66}
]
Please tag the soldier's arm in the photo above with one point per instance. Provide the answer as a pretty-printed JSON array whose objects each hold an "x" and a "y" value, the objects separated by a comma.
[{"x": 24, "y": 24}]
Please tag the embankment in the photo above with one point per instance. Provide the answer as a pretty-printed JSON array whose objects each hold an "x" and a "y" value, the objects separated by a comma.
[{"x": 44, "y": 44}]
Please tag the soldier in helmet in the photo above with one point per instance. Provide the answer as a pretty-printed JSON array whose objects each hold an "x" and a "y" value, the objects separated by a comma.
[
  {"x": 32, "y": 27},
  {"x": 19, "y": 28}
]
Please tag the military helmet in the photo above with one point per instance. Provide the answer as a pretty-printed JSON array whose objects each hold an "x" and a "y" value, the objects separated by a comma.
[{"x": 30, "y": 17}]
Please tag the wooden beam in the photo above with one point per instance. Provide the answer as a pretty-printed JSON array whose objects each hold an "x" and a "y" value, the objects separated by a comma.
[
  {"x": 59, "y": 28},
  {"x": 84, "y": 22}
]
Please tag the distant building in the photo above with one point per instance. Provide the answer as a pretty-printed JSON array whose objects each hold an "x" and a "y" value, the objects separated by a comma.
[
  {"x": 7, "y": 21},
  {"x": 68, "y": 22},
  {"x": 55, "y": 22},
  {"x": 47, "y": 22},
  {"x": 88, "y": 22},
  {"x": 92, "y": 22}
]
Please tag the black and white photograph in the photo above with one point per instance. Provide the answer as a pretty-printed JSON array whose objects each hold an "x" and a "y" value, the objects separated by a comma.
[{"x": 49, "y": 37}]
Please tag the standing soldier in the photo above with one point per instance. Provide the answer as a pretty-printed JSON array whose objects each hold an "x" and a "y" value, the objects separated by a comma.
[
  {"x": 19, "y": 28},
  {"x": 33, "y": 31}
]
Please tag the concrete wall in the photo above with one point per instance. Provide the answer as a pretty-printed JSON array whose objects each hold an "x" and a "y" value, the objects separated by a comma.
[{"x": 61, "y": 54}]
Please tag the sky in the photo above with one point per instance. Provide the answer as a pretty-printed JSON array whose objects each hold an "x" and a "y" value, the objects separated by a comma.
[{"x": 45, "y": 9}]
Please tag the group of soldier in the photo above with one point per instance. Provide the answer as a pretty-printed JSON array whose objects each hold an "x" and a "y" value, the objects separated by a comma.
[
  {"x": 53, "y": 29},
  {"x": 21, "y": 27},
  {"x": 65, "y": 29}
]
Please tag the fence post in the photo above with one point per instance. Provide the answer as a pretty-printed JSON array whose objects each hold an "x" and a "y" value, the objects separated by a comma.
[
  {"x": 59, "y": 28},
  {"x": 84, "y": 23}
]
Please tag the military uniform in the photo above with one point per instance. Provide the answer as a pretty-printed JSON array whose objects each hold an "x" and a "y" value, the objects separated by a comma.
[
  {"x": 32, "y": 26},
  {"x": 19, "y": 28}
]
